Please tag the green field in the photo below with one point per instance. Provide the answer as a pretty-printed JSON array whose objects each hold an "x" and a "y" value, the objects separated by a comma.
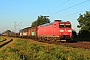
[
  {"x": 2, "y": 39},
  {"x": 26, "y": 50}
]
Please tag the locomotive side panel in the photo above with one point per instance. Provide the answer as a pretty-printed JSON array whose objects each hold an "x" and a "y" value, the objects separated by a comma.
[
  {"x": 45, "y": 30},
  {"x": 48, "y": 32}
]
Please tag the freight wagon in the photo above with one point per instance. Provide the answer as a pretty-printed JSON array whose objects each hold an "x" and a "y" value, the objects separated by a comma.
[
  {"x": 24, "y": 32},
  {"x": 32, "y": 32},
  {"x": 29, "y": 32},
  {"x": 11, "y": 34}
]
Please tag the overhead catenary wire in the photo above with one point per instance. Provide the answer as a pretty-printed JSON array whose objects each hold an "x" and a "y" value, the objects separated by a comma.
[
  {"x": 74, "y": 13},
  {"x": 57, "y": 6},
  {"x": 71, "y": 7}
]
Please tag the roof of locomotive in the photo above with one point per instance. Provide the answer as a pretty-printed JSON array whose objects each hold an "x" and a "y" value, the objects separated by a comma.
[
  {"x": 56, "y": 21},
  {"x": 65, "y": 22},
  {"x": 60, "y": 21}
]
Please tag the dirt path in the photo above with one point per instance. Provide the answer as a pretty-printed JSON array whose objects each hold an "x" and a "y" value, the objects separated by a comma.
[
  {"x": 84, "y": 44},
  {"x": 9, "y": 42}
]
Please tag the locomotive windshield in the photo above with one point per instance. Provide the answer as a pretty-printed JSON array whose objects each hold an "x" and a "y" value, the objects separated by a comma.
[
  {"x": 61, "y": 26},
  {"x": 64, "y": 26},
  {"x": 68, "y": 26}
]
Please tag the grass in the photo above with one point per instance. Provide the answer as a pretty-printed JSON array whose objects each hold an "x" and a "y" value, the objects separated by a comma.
[
  {"x": 26, "y": 50},
  {"x": 2, "y": 39}
]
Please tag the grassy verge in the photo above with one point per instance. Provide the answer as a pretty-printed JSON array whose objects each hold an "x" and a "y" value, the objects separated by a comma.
[
  {"x": 24, "y": 50},
  {"x": 2, "y": 39}
]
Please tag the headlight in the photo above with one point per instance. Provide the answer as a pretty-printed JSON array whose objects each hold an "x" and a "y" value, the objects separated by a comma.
[
  {"x": 61, "y": 30},
  {"x": 69, "y": 30}
]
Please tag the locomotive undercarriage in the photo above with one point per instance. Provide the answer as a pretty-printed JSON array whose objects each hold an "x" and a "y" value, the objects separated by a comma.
[
  {"x": 65, "y": 38},
  {"x": 62, "y": 38}
]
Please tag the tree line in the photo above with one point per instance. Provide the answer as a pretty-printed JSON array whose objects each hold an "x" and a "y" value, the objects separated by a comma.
[{"x": 84, "y": 25}]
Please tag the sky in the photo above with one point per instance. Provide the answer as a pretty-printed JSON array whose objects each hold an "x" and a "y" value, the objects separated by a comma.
[{"x": 24, "y": 12}]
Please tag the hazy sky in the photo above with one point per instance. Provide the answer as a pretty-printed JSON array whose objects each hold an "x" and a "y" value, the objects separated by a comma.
[{"x": 27, "y": 11}]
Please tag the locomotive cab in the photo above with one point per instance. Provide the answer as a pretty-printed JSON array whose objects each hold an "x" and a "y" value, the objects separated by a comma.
[{"x": 63, "y": 30}]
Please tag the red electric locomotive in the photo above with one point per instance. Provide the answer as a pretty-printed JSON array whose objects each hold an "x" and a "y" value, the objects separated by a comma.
[{"x": 58, "y": 30}]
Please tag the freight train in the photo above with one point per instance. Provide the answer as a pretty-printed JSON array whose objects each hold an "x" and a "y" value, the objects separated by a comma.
[{"x": 55, "y": 31}]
